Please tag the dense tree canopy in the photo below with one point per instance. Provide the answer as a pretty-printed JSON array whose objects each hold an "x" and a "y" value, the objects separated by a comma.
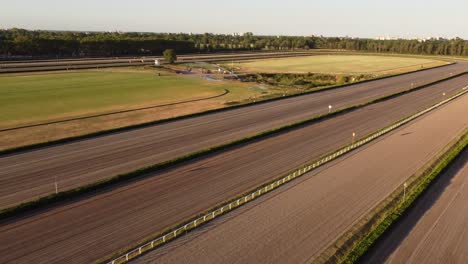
[
  {"x": 169, "y": 55},
  {"x": 452, "y": 47},
  {"x": 66, "y": 44}
]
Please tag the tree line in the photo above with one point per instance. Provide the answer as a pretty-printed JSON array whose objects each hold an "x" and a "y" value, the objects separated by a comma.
[
  {"x": 449, "y": 47},
  {"x": 20, "y": 42}
]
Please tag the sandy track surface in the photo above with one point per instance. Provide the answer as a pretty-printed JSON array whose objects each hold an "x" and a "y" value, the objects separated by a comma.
[
  {"x": 32, "y": 174},
  {"x": 435, "y": 229},
  {"x": 296, "y": 223},
  {"x": 96, "y": 226},
  {"x": 51, "y": 65}
]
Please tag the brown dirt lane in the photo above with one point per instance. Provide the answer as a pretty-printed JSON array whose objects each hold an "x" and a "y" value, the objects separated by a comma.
[
  {"x": 435, "y": 229},
  {"x": 85, "y": 230},
  {"x": 296, "y": 223},
  {"x": 31, "y": 174},
  {"x": 31, "y": 66}
]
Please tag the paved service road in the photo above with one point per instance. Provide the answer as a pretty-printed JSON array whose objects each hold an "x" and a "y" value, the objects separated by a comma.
[
  {"x": 95, "y": 226},
  {"x": 435, "y": 229},
  {"x": 32, "y": 174},
  {"x": 296, "y": 223}
]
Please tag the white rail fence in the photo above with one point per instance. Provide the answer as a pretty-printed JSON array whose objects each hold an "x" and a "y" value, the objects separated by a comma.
[{"x": 267, "y": 188}]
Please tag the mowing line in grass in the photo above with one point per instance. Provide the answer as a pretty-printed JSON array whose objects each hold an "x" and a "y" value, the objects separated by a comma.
[{"x": 226, "y": 91}]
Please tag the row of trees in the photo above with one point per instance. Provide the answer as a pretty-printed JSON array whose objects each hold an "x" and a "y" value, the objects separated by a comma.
[
  {"x": 246, "y": 41},
  {"x": 19, "y": 42},
  {"x": 452, "y": 47},
  {"x": 63, "y": 44}
]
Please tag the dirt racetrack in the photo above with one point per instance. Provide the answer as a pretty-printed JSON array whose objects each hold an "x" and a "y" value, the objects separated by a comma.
[
  {"x": 31, "y": 174},
  {"x": 97, "y": 225},
  {"x": 435, "y": 229},
  {"x": 296, "y": 223},
  {"x": 55, "y": 65}
]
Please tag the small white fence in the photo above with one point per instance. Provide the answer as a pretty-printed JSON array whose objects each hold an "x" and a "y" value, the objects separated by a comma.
[{"x": 267, "y": 188}]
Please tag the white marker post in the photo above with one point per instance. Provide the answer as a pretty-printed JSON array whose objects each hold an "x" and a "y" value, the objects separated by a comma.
[
  {"x": 354, "y": 136},
  {"x": 405, "y": 185},
  {"x": 56, "y": 185},
  {"x": 329, "y": 108}
]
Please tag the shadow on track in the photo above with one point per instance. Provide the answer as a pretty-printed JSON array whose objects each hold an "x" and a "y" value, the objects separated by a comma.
[{"x": 396, "y": 233}]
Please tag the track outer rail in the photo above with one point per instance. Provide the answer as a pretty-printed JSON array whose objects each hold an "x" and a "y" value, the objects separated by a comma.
[{"x": 252, "y": 195}]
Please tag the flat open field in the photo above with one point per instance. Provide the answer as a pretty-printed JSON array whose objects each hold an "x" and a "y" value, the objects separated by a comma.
[
  {"x": 435, "y": 228},
  {"x": 85, "y": 229},
  {"x": 345, "y": 64},
  {"x": 49, "y": 96},
  {"x": 38, "y": 98}
]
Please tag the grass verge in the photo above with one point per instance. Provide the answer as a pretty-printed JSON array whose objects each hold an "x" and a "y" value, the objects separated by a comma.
[
  {"x": 147, "y": 124},
  {"x": 357, "y": 242},
  {"x": 142, "y": 172}
]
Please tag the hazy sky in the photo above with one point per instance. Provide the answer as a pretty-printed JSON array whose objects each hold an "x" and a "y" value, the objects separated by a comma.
[{"x": 358, "y": 18}]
